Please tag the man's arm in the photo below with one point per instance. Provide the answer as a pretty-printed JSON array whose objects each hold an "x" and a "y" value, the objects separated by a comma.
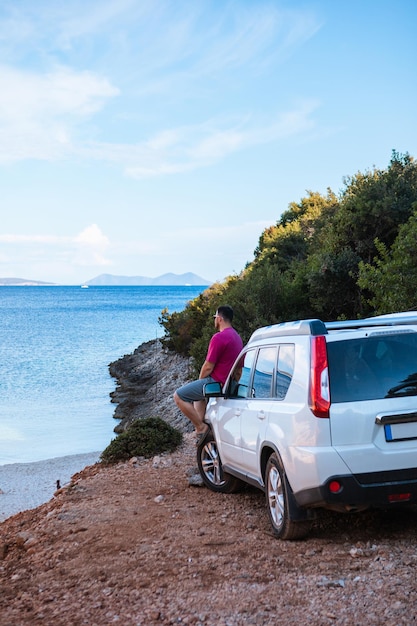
[{"x": 206, "y": 369}]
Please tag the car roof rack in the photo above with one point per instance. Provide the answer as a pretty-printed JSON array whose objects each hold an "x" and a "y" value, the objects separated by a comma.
[
  {"x": 299, "y": 327},
  {"x": 391, "y": 319},
  {"x": 316, "y": 327}
]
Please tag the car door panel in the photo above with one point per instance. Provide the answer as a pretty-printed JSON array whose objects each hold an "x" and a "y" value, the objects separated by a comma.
[{"x": 255, "y": 418}]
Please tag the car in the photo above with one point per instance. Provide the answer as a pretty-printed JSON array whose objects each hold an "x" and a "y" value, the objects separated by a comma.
[{"x": 318, "y": 415}]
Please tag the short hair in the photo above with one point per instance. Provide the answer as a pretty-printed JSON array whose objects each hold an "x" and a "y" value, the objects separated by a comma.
[{"x": 226, "y": 312}]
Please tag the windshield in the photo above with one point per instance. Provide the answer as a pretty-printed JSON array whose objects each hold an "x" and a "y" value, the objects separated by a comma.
[{"x": 382, "y": 365}]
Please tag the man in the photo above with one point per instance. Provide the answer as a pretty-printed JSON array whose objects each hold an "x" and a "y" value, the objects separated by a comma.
[{"x": 223, "y": 349}]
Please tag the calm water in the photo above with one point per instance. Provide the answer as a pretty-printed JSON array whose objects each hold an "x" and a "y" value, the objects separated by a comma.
[{"x": 55, "y": 347}]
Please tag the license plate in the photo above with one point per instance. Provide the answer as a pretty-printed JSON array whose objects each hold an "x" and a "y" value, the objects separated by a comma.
[{"x": 400, "y": 432}]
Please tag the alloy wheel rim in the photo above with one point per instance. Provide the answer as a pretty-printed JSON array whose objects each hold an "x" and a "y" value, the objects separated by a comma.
[
  {"x": 211, "y": 464},
  {"x": 276, "y": 497}
]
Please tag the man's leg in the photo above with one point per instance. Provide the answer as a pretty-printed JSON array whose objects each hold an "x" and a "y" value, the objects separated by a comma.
[
  {"x": 200, "y": 408},
  {"x": 189, "y": 411},
  {"x": 191, "y": 401}
]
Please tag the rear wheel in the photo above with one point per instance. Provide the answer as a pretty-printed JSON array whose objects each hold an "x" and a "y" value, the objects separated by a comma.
[
  {"x": 211, "y": 469},
  {"x": 281, "y": 504}
]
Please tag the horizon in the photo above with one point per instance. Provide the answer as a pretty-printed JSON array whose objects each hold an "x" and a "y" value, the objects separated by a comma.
[
  {"x": 141, "y": 135},
  {"x": 24, "y": 281}
]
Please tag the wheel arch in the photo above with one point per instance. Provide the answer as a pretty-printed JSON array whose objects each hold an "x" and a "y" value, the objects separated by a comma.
[
  {"x": 296, "y": 512},
  {"x": 267, "y": 449}
]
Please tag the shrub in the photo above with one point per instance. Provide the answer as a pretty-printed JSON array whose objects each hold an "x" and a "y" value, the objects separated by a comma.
[{"x": 144, "y": 437}]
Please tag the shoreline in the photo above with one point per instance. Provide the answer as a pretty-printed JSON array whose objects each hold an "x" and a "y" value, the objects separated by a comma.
[
  {"x": 145, "y": 382},
  {"x": 25, "y": 486}
]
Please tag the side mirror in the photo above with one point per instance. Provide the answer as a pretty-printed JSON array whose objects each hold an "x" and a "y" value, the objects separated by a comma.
[
  {"x": 213, "y": 390},
  {"x": 242, "y": 391}
]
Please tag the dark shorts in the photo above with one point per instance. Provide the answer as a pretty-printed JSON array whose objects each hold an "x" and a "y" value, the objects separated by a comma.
[{"x": 194, "y": 391}]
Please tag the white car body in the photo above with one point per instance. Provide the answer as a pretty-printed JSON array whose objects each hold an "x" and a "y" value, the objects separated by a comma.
[{"x": 362, "y": 453}]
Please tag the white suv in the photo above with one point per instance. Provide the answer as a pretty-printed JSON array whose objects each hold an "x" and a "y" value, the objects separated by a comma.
[{"x": 323, "y": 415}]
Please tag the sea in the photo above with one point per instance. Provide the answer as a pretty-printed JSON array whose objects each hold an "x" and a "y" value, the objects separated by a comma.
[{"x": 56, "y": 344}]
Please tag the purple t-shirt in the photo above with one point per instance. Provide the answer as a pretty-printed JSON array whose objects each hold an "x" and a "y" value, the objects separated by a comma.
[{"x": 222, "y": 351}]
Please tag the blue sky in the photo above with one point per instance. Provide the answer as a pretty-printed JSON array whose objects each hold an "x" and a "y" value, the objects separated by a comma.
[{"x": 140, "y": 137}]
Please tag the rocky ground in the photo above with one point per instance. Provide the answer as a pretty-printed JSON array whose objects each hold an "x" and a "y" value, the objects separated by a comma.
[
  {"x": 137, "y": 544},
  {"x": 146, "y": 381}
]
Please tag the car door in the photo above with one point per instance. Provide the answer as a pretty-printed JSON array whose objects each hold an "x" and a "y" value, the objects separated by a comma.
[
  {"x": 254, "y": 417},
  {"x": 225, "y": 414}
]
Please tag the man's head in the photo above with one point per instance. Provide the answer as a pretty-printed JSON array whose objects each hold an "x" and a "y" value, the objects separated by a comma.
[{"x": 223, "y": 316}]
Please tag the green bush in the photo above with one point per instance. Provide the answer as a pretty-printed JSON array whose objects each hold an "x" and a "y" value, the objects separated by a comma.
[
  {"x": 343, "y": 256},
  {"x": 145, "y": 437}
]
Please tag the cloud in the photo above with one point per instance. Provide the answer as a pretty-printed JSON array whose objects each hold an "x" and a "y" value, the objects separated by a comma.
[
  {"x": 189, "y": 148},
  {"x": 188, "y": 45},
  {"x": 73, "y": 259},
  {"x": 238, "y": 240},
  {"x": 84, "y": 20},
  {"x": 50, "y": 109},
  {"x": 39, "y": 113},
  {"x": 146, "y": 54},
  {"x": 40, "y": 117},
  {"x": 92, "y": 236},
  {"x": 87, "y": 248},
  {"x": 230, "y": 247},
  {"x": 23, "y": 239},
  {"x": 91, "y": 247}
]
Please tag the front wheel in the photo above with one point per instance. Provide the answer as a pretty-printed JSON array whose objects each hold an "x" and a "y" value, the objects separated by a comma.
[
  {"x": 281, "y": 504},
  {"x": 211, "y": 469}
]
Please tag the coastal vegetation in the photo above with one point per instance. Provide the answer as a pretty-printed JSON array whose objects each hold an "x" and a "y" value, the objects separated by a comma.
[
  {"x": 340, "y": 255},
  {"x": 144, "y": 438}
]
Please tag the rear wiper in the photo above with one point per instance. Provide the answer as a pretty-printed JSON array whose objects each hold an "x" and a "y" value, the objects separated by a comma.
[{"x": 408, "y": 388}]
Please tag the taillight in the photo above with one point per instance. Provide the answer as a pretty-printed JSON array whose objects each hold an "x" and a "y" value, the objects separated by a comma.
[
  {"x": 335, "y": 486},
  {"x": 319, "y": 378},
  {"x": 399, "y": 497}
]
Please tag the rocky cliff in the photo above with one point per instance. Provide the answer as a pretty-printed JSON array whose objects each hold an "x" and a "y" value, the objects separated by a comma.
[{"x": 146, "y": 381}]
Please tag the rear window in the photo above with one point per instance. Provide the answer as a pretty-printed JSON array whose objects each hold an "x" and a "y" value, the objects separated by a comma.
[
  {"x": 381, "y": 365},
  {"x": 264, "y": 372},
  {"x": 285, "y": 370}
]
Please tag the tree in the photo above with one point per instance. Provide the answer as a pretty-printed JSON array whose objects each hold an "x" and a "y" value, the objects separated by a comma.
[
  {"x": 372, "y": 207},
  {"x": 293, "y": 236},
  {"x": 392, "y": 278},
  {"x": 332, "y": 284},
  {"x": 317, "y": 261}
]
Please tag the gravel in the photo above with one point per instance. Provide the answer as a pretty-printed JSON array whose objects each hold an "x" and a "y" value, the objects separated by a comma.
[{"x": 135, "y": 544}]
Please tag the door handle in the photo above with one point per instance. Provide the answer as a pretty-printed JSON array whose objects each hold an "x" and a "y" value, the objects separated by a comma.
[{"x": 261, "y": 415}]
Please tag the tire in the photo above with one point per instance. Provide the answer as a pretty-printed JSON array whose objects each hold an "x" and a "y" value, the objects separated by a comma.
[
  {"x": 281, "y": 505},
  {"x": 211, "y": 469}
]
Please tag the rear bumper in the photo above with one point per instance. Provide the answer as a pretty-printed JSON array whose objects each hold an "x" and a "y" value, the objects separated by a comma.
[{"x": 374, "y": 489}]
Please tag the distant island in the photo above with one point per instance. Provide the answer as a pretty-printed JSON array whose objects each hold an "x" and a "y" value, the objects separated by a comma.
[
  {"x": 110, "y": 280},
  {"x": 168, "y": 280},
  {"x": 22, "y": 282}
]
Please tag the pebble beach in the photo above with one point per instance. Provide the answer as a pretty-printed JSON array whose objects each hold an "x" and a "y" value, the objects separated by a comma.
[{"x": 25, "y": 486}]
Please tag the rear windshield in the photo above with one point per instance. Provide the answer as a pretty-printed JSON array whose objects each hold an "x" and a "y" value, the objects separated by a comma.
[{"x": 383, "y": 365}]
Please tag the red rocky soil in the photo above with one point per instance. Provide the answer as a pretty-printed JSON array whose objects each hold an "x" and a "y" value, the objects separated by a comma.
[{"x": 136, "y": 545}]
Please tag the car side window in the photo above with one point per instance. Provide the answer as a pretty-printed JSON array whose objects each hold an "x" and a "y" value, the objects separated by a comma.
[
  {"x": 240, "y": 379},
  {"x": 264, "y": 372},
  {"x": 285, "y": 369}
]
